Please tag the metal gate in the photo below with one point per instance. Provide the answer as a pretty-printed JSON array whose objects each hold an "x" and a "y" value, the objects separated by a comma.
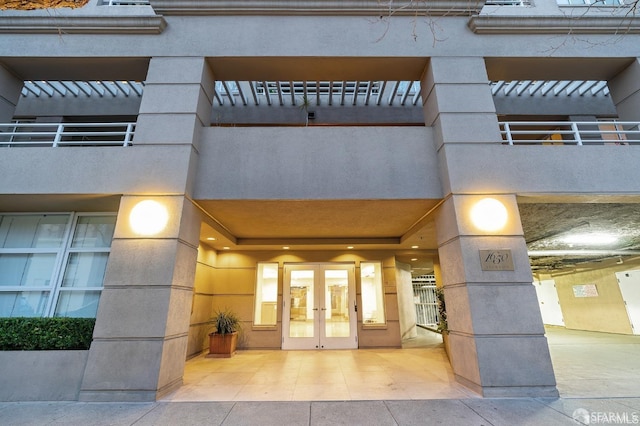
[{"x": 424, "y": 296}]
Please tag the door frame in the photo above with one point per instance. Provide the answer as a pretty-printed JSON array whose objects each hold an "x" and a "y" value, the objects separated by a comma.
[
  {"x": 319, "y": 340},
  {"x": 628, "y": 282}
]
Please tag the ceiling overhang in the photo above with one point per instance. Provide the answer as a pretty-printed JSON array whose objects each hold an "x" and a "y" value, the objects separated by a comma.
[
  {"x": 318, "y": 224},
  {"x": 555, "y": 68},
  {"x": 318, "y": 68},
  {"x": 84, "y": 69}
]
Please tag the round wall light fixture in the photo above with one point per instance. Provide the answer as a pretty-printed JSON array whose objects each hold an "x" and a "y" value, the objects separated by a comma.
[
  {"x": 489, "y": 215},
  {"x": 148, "y": 217}
]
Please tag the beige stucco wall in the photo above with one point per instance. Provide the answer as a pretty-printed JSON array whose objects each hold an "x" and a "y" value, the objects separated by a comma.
[
  {"x": 606, "y": 312},
  {"x": 226, "y": 280},
  {"x": 407, "y": 310},
  {"x": 201, "y": 308}
]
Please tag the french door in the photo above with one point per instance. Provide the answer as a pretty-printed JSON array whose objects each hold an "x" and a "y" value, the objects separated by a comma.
[{"x": 319, "y": 306}]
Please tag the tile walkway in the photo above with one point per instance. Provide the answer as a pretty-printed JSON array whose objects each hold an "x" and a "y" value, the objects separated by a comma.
[
  {"x": 598, "y": 378},
  {"x": 421, "y": 372}
]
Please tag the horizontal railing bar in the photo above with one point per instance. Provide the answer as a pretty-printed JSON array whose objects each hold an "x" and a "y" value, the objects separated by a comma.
[
  {"x": 56, "y": 134},
  {"x": 115, "y": 124},
  {"x": 570, "y": 133}
]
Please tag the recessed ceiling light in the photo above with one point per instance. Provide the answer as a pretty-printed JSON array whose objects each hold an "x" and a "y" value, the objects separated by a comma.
[
  {"x": 414, "y": 259},
  {"x": 286, "y": 248},
  {"x": 350, "y": 247},
  {"x": 415, "y": 247},
  {"x": 225, "y": 248},
  {"x": 599, "y": 239},
  {"x": 211, "y": 239}
]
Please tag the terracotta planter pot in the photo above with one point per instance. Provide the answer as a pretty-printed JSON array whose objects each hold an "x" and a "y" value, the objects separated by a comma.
[{"x": 222, "y": 345}]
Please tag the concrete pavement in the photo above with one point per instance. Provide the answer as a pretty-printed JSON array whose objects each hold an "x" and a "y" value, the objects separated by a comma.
[
  {"x": 598, "y": 378},
  {"x": 498, "y": 412}
]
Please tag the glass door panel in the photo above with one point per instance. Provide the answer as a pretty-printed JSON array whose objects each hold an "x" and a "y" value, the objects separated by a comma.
[
  {"x": 301, "y": 311},
  {"x": 337, "y": 302},
  {"x": 319, "y": 307}
]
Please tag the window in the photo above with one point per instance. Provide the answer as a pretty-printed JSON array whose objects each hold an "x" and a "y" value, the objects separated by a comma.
[
  {"x": 266, "y": 300},
  {"x": 53, "y": 264},
  {"x": 372, "y": 293}
]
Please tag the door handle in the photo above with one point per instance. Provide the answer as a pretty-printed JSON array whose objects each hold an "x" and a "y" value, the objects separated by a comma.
[
  {"x": 314, "y": 309},
  {"x": 323, "y": 309}
]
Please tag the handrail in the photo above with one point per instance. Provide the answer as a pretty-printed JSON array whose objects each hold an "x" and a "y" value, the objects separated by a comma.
[
  {"x": 570, "y": 132},
  {"x": 128, "y": 3},
  {"x": 507, "y": 3},
  {"x": 66, "y": 134}
]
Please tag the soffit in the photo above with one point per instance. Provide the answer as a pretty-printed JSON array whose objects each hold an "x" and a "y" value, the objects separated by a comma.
[
  {"x": 555, "y": 68},
  {"x": 84, "y": 69},
  {"x": 547, "y": 223},
  {"x": 316, "y": 224},
  {"x": 400, "y": 225},
  {"x": 318, "y": 68},
  {"x": 59, "y": 203}
]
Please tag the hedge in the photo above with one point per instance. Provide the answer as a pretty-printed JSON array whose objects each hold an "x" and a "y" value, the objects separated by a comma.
[{"x": 45, "y": 334}]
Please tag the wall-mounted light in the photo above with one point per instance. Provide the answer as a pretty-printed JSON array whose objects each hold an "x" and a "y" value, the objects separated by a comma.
[
  {"x": 489, "y": 215},
  {"x": 148, "y": 217}
]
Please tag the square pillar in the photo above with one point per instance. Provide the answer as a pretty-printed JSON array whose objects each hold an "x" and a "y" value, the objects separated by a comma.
[
  {"x": 140, "y": 338},
  {"x": 10, "y": 87},
  {"x": 458, "y": 103},
  {"x": 496, "y": 336},
  {"x": 177, "y": 101},
  {"x": 625, "y": 92}
]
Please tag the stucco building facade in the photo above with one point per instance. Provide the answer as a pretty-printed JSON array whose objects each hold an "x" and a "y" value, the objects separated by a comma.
[{"x": 309, "y": 157}]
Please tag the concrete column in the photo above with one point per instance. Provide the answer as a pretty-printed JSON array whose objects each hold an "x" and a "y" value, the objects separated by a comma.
[
  {"x": 625, "y": 92},
  {"x": 177, "y": 100},
  {"x": 10, "y": 87},
  {"x": 140, "y": 339},
  {"x": 141, "y": 334},
  {"x": 496, "y": 336},
  {"x": 406, "y": 305},
  {"x": 458, "y": 103}
]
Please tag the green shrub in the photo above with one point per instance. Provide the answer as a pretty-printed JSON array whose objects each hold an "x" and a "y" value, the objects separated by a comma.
[
  {"x": 43, "y": 334},
  {"x": 226, "y": 322}
]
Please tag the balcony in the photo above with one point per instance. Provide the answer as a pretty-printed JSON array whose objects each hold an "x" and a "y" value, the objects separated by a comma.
[
  {"x": 66, "y": 134},
  {"x": 570, "y": 133}
]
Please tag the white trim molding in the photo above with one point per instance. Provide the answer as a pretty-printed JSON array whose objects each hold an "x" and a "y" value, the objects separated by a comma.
[
  {"x": 25, "y": 24},
  {"x": 555, "y": 25},
  {"x": 317, "y": 7}
]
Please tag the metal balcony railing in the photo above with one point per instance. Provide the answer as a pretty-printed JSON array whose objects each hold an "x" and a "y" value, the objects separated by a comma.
[
  {"x": 570, "y": 132},
  {"x": 66, "y": 134},
  {"x": 507, "y": 3},
  {"x": 127, "y": 2}
]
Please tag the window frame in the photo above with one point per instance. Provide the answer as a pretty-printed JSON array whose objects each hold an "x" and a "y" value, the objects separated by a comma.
[
  {"x": 259, "y": 290},
  {"x": 382, "y": 295},
  {"x": 62, "y": 254}
]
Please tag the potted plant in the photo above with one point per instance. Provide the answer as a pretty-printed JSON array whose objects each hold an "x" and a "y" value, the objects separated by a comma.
[{"x": 223, "y": 341}]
